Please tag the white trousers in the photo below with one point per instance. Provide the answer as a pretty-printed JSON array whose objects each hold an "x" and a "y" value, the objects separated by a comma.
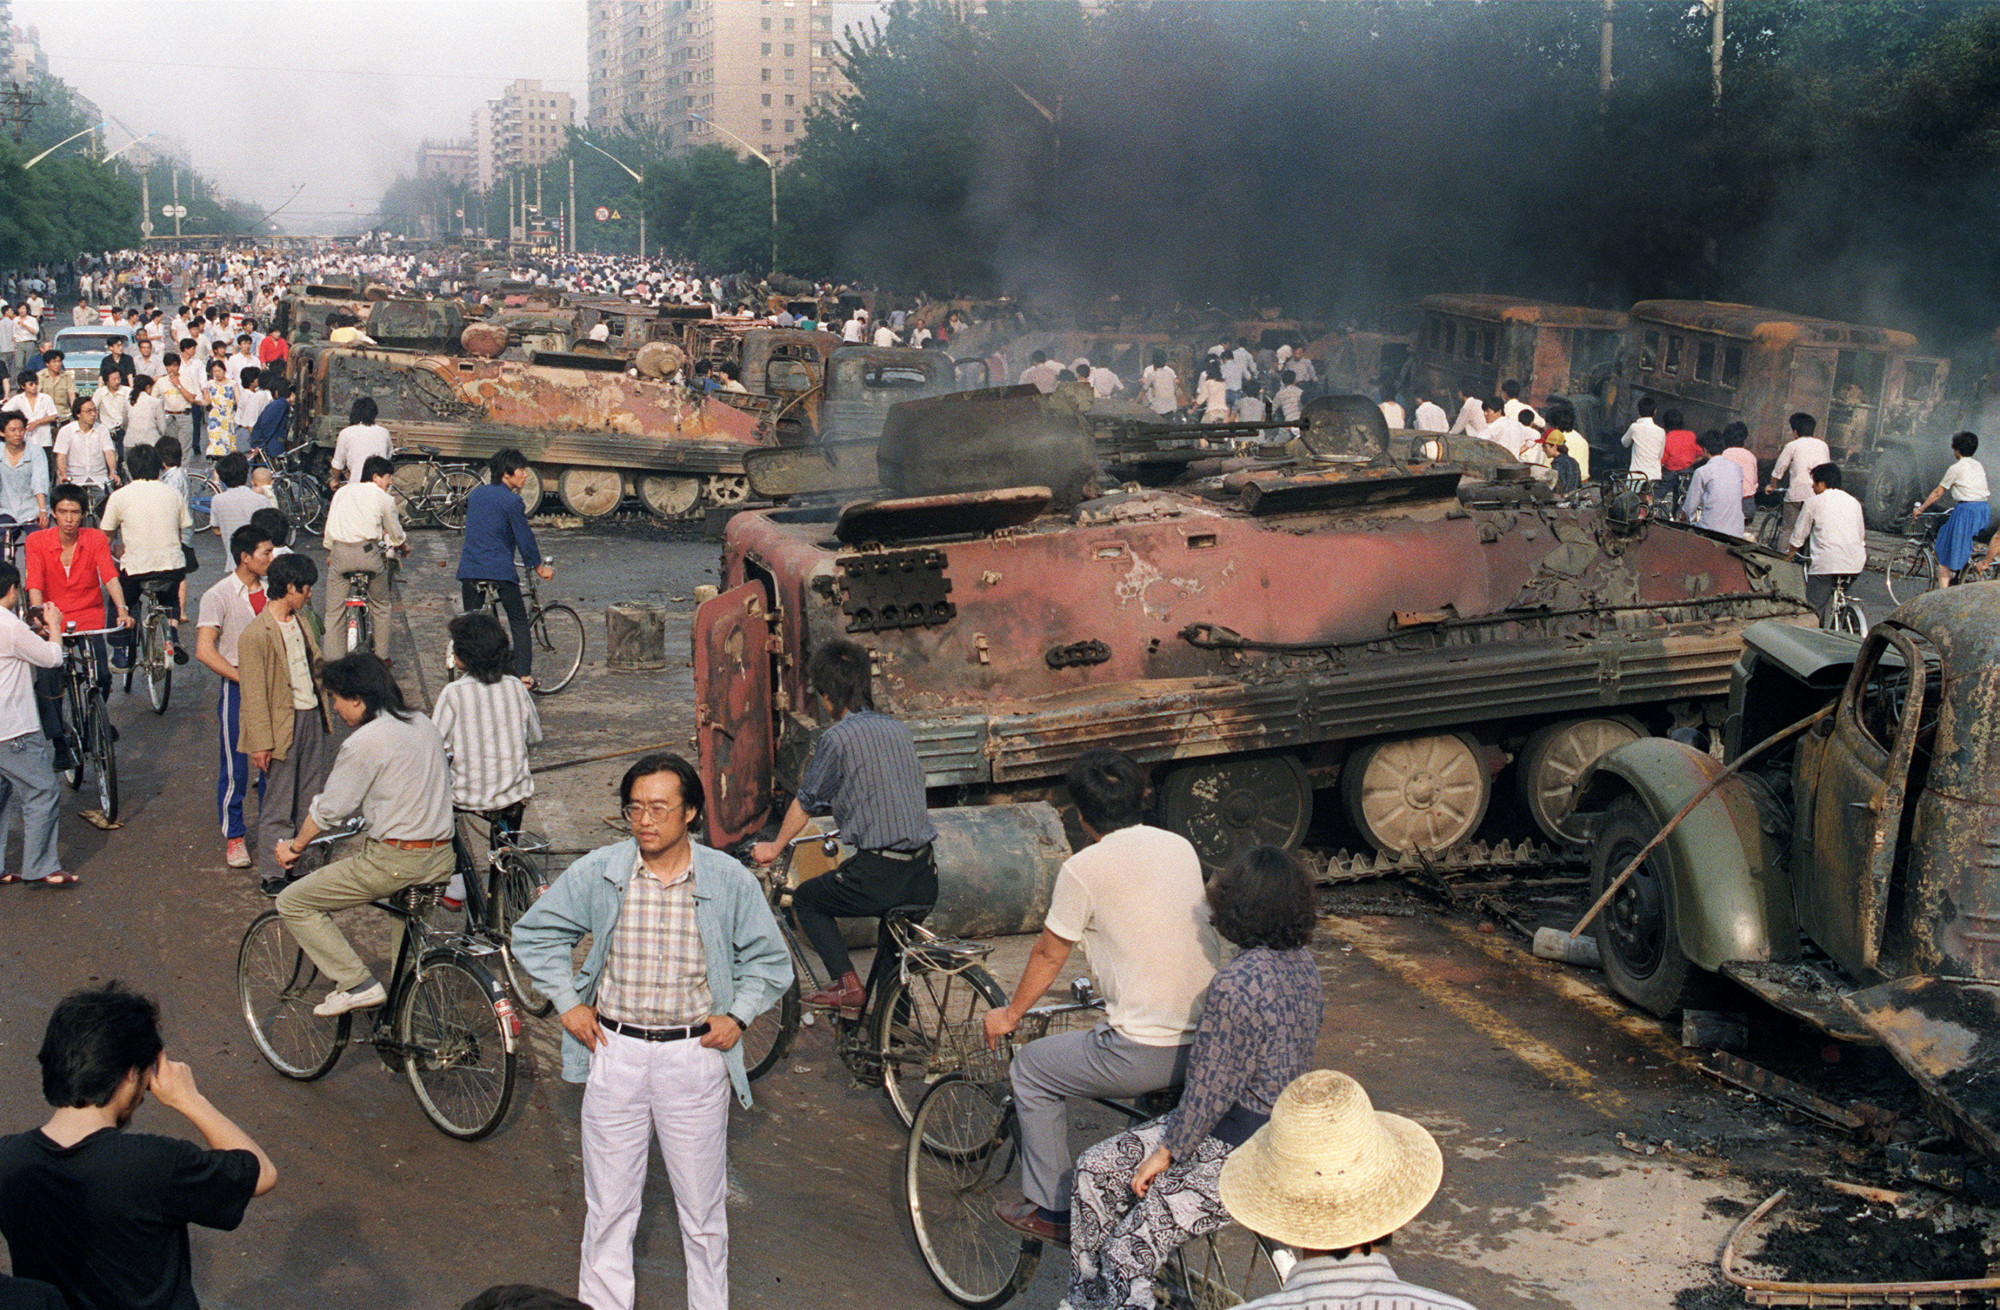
[{"x": 680, "y": 1092}]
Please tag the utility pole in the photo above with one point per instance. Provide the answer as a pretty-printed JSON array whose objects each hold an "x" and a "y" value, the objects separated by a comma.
[
  {"x": 177, "y": 202},
  {"x": 1604, "y": 59},
  {"x": 569, "y": 219},
  {"x": 1715, "y": 53},
  {"x": 20, "y": 105},
  {"x": 145, "y": 203}
]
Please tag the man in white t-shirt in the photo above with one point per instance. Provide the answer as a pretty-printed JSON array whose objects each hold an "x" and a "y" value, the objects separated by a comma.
[
  {"x": 1796, "y": 462},
  {"x": 1104, "y": 384},
  {"x": 1134, "y": 898},
  {"x": 1471, "y": 418},
  {"x": 1833, "y": 522},
  {"x": 1430, "y": 416},
  {"x": 1646, "y": 440},
  {"x": 1159, "y": 388}
]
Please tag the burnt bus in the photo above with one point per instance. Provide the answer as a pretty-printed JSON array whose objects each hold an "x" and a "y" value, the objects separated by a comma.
[
  {"x": 1478, "y": 342},
  {"x": 1871, "y": 389}
]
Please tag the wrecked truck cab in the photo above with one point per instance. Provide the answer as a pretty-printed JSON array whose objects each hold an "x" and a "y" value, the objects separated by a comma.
[{"x": 1879, "y": 826}]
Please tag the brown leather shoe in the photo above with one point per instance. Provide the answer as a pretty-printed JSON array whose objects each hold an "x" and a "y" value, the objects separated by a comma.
[
  {"x": 1025, "y": 1218},
  {"x": 845, "y": 996}
]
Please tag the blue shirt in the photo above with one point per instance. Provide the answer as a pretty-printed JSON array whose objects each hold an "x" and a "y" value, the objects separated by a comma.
[
  {"x": 1715, "y": 497},
  {"x": 865, "y": 772},
  {"x": 496, "y": 525},
  {"x": 268, "y": 433}
]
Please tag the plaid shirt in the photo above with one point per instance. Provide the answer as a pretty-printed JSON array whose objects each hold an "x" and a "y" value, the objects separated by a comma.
[{"x": 654, "y": 973}]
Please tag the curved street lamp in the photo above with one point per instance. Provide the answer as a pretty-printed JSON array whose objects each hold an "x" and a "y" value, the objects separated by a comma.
[
  {"x": 766, "y": 161},
  {"x": 60, "y": 144},
  {"x": 640, "y": 178}
]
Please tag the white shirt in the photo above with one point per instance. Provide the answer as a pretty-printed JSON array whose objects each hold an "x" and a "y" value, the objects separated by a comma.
[
  {"x": 356, "y": 443},
  {"x": 1510, "y": 435},
  {"x": 1104, "y": 384},
  {"x": 1965, "y": 480},
  {"x": 1471, "y": 418},
  {"x": 152, "y": 515},
  {"x": 1648, "y": 441},
  {"x": 1431, "y": 417},
  {"x": 488, "y": 728},
  {"x": 851, "y": 331},
  {"x": 1288, "y": 401},
  {"x": 1838, "y": 530},
  {"x": 226, "y": 608},
  {"x": 1799, "y": 458},
  {"x": 249, "y": 404},
  {"x": 21, "y": 653},
  {"x": 1512, "y": 407},
  {"x": 885, "y": 335},
  {"x": 87, "y": 454},
  {"x": 1393, "y": 413},
  {"x": 362, "y": 512},
  {"x": 235, "y": 364},
  {"x": 41, "y": 406}
]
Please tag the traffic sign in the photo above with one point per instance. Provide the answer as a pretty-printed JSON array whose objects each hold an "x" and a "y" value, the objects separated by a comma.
[
  {"x": 146, "y": 228},
  {"x": 603, "y": 213},
  {"x": 173, "y": 211}
]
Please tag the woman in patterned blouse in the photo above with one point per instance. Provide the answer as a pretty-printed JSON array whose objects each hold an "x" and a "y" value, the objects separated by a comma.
[{"x": 1144, "y": 1192}]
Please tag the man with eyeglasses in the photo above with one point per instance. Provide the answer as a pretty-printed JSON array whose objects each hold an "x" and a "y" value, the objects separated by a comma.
[{"x": 684, "y": 955}]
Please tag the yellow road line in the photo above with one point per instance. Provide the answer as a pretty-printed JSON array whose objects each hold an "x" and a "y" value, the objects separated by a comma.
[{"x": 1482, "y": 1018}]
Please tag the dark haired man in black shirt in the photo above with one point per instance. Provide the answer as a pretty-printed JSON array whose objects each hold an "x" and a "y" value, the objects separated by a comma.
[{"x": 102, "y": 1213}]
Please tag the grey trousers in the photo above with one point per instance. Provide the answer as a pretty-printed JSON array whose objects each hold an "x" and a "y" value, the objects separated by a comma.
[
  {"x": 342, "y": 559},
  {"x": 1047, "y": 1072},
  {"x": 378, "y": 870},
  {"x": 289, "y": 786},
  {"x": 28, "y": 775}
]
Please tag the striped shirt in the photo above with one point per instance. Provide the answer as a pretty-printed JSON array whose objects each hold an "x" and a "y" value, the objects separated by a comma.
[
  {"x": 1356, "y": 1282},
  {"x": 488, "y": 729},
  {"x": 864, "y": 771},
  {"x": 655, "y": 975}
]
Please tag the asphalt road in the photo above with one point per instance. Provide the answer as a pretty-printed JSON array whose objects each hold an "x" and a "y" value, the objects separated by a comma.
[{"x": 1527, "y": 1074}]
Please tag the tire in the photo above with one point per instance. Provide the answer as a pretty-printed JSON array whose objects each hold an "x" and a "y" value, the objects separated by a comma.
[
  {"x": 1771, "y": 529},
  {"x": 1637, "y": 935},
  {"x": 1892, "y": 488},
  {"x": 104, "y": 751},
  {"x": 770, "y": 1035},
  {"x": 447, "y": 493},
  {"x": 407, "y": 489},
  {"x": 458, "y": 1045},
  {"x": 359, "y": 637},
  {"x": 556, "y": 633},
  {"x": 73, "y": 726},
  {"x": 1216, "y": 1270},
  {"x": 1911, "y": 571},
  {"x": 1227, "y": 806},
  {"x": 300, "y": 498},
  {"x": 277, "y": 987},
  {"x": 1417, "y": 793},
  {"x": 520, "y": 886},
  {"x": 918, "y": 1029},
  {"x": 960, "y": 1157},
  {"x": 202, "y": 489},
  {"x": 1847, "y": 618},
  {"x": 159, "y": 664}
]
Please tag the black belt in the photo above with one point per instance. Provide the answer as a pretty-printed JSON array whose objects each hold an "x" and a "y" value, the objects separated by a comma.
[
  {"x": 916, "y": 854},
  {"x": 654, "y": 1034}
]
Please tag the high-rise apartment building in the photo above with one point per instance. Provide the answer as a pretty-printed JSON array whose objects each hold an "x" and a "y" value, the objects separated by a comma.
[
  {"x": 452, "y": 162},
  {"x": 701, "y": 72},
  {"x": 526, "y": 127}
]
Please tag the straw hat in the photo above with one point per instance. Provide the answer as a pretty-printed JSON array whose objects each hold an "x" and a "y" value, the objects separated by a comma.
[{"x": 1330, "y": 1171}]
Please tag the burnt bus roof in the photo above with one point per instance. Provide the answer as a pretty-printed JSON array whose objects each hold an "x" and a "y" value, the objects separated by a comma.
[
  {"x": 1513, "y": 309},
  {"x": 1768, "y": 327}
]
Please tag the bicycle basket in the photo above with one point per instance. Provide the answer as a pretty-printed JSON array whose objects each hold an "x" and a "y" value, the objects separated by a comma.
[{"x": 962, "y": 1046}]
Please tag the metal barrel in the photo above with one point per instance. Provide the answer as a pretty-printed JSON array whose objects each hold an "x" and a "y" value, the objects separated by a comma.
[{"x": 996, "y": 869}]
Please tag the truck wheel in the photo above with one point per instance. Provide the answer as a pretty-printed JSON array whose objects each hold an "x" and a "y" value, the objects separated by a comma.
[
  {"x": 1418, "y": 793},
  {"x": 1553, "y": 762},
  {"x": 1637, "y": 934},
  {"x": 1892, "y": 489},
  {"x": 669, "y": 497},
  {"x": 1225, "y": 807},
  {"x": 590, "y": 493}
]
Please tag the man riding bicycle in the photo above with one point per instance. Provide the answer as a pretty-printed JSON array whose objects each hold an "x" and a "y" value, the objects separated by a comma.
[
  {"x": 496, "y": 527},
  {"x": 865, "y": 772}
]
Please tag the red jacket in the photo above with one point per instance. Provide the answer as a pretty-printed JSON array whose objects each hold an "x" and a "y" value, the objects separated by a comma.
[
  {"x": 76, "y": 592},
  {"x": 1681, "y": 451}
]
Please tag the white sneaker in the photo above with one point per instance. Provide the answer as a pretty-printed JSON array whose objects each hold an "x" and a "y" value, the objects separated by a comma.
[{"x": 338, "y": 1003}]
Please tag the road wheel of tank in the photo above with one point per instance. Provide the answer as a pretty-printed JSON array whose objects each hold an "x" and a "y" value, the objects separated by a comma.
[
  {"x": 1417, "y": 793},
  {"x": 533, "y": 489},
  {"x": 668, "y": 496},
  {"x": 590, "y": 493},
  {"x": 726, "y": 489},
  {"x": 1226, "y": 806},
  {"x": 1892, "y": 489},
  {"x": 1638, "y": 934},
  {"x": 1554, "y": 761},
  {"x": 1344, "y": 425}
]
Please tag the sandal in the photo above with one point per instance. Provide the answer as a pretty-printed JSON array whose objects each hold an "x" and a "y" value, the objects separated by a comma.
[
  {"x": 7, "y": 879},
  {"x": 56, "y": 880}
]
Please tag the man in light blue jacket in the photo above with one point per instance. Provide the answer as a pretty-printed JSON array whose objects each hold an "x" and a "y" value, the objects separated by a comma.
[{"x": 684, "y": 955}]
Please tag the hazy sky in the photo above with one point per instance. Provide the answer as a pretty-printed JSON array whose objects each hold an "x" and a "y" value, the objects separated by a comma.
[{"x": 331, "y": 95}]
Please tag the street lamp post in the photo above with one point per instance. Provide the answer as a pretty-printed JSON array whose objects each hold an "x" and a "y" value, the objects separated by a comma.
[
  {"x": 60, "y": 144},
  {"x": 640, "y": 178},
  {"x": 768, "y": 163}
]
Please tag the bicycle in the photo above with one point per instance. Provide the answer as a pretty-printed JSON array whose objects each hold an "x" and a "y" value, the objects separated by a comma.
[
  {"x": 152, "y": 639},
  {"x": 301, "y": 496},
  {"x": 555, "y": 633},
  {"x": 514, "y": 881},
  {"x": 448, "y": 1024},
  {"x": 202, "y": 489},
  {"x": 923, "y": 991},
  {"x": 964, "y": 1149},
  {"x": 86, "y": 721},
  {"x": 434, "y": 490},
  {"x": 1911, "y": 569},
  {"x": 1842, "y": 614},
  {"x": 354, "y": 613}
]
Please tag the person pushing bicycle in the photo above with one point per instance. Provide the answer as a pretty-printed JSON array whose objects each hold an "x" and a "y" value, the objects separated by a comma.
[
  {"x": 496, "y": 526},
  {"x": 864, "y": 771}
]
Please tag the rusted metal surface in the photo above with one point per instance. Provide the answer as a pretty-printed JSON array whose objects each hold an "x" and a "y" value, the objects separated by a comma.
[
  {"x": 996, "y": 867},
  {"x": 1479, "y": 341},
  {"x": 1946, "y": 1032},
  {"x": 788, "y": 366},
  {"x": 862, "y": 382},
  {"x": 733, "y": 723}
]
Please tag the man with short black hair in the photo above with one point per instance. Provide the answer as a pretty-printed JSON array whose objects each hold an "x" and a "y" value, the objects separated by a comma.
[
  {"x": 496, "y": 529},
  {"x": 1800, "y": 456},
  {"x": 1134, "y": 898},
  {"x": 286, "y": 723},
  {"x": 864, "y": 771},
  {"x": 1833, "y": 522},
  {"x": 102, "y": 1213},
  {"x": 226, "y": 610},
  {"x": 684, "y": 956},
  {"x": 232, "y": 507}
]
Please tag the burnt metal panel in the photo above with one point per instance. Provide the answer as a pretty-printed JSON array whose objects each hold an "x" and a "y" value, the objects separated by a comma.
[{"x": 733, "y": 716}]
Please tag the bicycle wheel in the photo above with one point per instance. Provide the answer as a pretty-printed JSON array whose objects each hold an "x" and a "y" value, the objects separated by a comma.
[
  {"x": 447, "y": 493},
  {"x": 1771, "y": 529},
  {"x": 929, "y": 1027},
  {"x": 407, "y": 489},
  {"x": 202, "y": 489},
  {"x": 159, "y": 664},
  {"x": 456, "y": 1028},
  {"x": 1847, "y": 617},
  {"x": 557, "y": 637},
  {"x": 519, "y": 886},
  {"x": 770, "y": 1035},
  {"x": 72, "y": 723},
  {"x": 276, "y": 984},
  {"x": 1910, "y": 571},
  {"x": 960, "y": 1157},
  {"x": 104, "y": 754},
  {"x": 299, "y": 496},
  {"x": 1219, "y": 1269}
]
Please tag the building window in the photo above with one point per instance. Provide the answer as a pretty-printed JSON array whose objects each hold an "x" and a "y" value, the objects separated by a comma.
[
  {"x": 767, "y": 147},
  {"x": 1673, "y": 354},
  {"x": 788, "y": 100},
  {"x": 766, "y": 24},
  {"x": 767, "y": 50},
  {"x": 1704, "y": 361},
  {"x": 767, "y": 99},
  {"x": 767, "y": 125},
  {"x": 764, "y": 74},
  {"x": 788, "y": 74},
  {"x": 790, "y": 125},
  {"x": 820, "y": 75},
  {"x": 788, "y": 49},
  {"x": 1732, "y": 367}
]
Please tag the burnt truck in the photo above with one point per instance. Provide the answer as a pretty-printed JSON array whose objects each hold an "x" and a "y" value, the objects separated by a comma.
[
  {"x": 1849, "y": 877},
  {"x": 1283, "y": 628}
]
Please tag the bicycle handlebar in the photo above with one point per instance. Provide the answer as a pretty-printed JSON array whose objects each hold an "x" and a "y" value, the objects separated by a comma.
[{"x": 92, "y": 632}]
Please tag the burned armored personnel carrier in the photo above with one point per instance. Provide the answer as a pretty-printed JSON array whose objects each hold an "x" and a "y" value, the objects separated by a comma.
[{"x": 1283, "y": 632}]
